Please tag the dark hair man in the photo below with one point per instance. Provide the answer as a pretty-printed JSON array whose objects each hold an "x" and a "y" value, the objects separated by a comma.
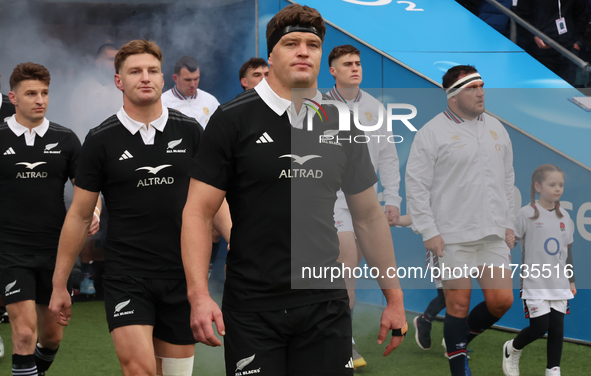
[
  {"x": 252, "y": 72},
  {"x": 281, "y": 184},
  {"x": 345, "y": 67},
  {"x": 139, "y": 159},
  {"x": 185, "y": 96},
  {"x": 38, "y": 157},
  {"x": 468, "y": 226}
]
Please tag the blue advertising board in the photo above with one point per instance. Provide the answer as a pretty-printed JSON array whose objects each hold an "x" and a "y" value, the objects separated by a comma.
[{"x": 400, "y": 50}]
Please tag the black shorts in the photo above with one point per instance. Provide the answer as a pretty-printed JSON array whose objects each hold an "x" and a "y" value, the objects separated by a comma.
[
  {"x": 161, "y": 303},
  {"x": 26, "y": 277},
  {"x": 310, "y": 340}
]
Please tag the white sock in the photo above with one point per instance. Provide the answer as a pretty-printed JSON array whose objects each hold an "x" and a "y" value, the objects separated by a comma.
[{"x": 177, "y": 367}]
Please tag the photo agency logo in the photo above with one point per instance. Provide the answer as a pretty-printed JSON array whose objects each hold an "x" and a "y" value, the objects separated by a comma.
[
  {"x": 371, "y": 122},
  {"x": 316, "y": 109}
]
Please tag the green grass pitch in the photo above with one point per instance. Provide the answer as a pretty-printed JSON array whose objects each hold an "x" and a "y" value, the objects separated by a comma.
[{"x": 87, "y": 350}]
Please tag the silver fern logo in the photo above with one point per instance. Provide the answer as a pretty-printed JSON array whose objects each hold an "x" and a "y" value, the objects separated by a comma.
[
  {"x": 120, "y": 306},
  {"x": 10, "y": 286},
  {"x": 51, "y": 146},
  {"x": 244, "y": 362},
  {"x": 173, "y": 144}
]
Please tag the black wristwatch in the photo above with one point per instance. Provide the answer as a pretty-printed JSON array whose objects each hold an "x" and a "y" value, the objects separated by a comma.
[{"x": 400, "y": 332}]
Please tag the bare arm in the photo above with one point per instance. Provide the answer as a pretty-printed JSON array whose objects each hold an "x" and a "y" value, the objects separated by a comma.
[
  {"x": 72, "y": 238},
  {"x": 389, "y": 168},
  {"x": 373, "y": 233},
  {"x": 96, "y": 219},
  {"x": 404, "y": 220},
  {"x": 203, "y": 202},
  {"x": 222, "y": 221}
]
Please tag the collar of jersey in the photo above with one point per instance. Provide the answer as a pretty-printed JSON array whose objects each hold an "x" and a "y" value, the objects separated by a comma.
[
  {"x": 334, "y": 93},
  {"x": 275, "y": 102},
  {"x": 177, "y": 94},
  {"x": 456, "y": 118},
  {"x": 280, "y": 105},
  {"x": 134, "y": 126},
  {"x": 19, "y": 130}
]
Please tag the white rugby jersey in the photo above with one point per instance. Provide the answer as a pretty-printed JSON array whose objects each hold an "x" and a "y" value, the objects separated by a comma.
[
  {"x": 459, "y": 179},
  {"x": 383, "y": 154},
  {"x": 199, "y": 106},
  {"x": 544, "y": 241}
]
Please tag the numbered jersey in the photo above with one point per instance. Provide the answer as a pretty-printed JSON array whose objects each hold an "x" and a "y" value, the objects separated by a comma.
[{"x": 544, "y": 246}]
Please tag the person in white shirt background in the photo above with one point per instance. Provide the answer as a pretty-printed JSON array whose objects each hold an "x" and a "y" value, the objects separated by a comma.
[
  {"x": 459, "y": 189},
  {"x": 345, "y": 67},
  {"x": 186, "y": 96}
]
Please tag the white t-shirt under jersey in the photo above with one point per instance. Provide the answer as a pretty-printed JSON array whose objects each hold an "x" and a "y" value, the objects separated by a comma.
[{"x": 544, "y": 241}]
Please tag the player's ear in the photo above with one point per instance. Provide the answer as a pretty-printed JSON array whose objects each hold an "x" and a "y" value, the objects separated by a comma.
[
  {"x": 332, "y": 71},
  {"x": 12, "y": 97},
  {"x": 118, "y": 82},
  {"x": 243, "y": 82},
  {"x": 175, "y": 78},
  {"x": 537, "y": 187}
]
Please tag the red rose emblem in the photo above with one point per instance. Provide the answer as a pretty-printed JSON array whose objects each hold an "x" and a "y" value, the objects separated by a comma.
[{"x": 562, "y": 227}]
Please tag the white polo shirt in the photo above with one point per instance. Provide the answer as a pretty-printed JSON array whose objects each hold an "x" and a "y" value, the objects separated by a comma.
[
  {"x": 383, "y": 154},
  {"x": 459, "y": 179},
  {"x": 199, "y": 106}
]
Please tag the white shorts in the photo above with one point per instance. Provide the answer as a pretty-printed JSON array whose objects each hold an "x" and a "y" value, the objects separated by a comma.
[
  {"x": 432, "y": 263},
  {"x": 463, "y": 257},
  {"x": 539, "y": 307},
  {"x": 342, "y": 220}
]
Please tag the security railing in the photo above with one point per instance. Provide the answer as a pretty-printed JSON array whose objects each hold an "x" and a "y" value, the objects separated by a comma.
[{"x": 549, "y": 41}]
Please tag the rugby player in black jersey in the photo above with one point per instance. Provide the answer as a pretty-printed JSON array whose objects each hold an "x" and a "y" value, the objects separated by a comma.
[
  {"x": 37, "y": 158},
  {"x": 139, "y": 159},
  {"x": 280, "y": 183}
]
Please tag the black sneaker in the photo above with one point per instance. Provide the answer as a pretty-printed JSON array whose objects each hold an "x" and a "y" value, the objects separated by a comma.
[{"x": 422, "y": 332}]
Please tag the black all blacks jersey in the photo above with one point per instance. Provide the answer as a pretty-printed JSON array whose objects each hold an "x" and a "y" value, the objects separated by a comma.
[
  {"x": 281, "y": 185},
  {"x": 145, "y": 189},
  {"x": 6, "y": 110},
  {"x": 32, "y": 179}
]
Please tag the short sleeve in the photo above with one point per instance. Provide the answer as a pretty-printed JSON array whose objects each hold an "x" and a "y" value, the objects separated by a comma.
[
  {"x": 520, "y": 223},
  {"x": 214, "y": 162},
  {"x": 74, "y": 155},
  {"x": 89, "y": 174},
  {"x": 359, "y": 173},
  {"x": 571, "y": 233}
]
